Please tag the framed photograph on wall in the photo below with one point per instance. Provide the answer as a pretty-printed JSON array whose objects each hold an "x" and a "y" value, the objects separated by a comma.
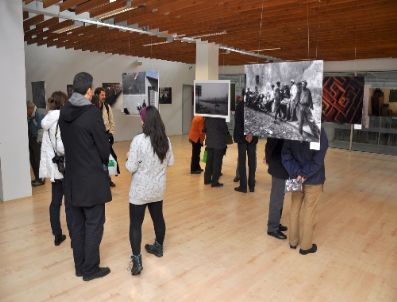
[
  {"x": 113, "y": 91},
  {"x": 38, "y": 94},
  {"x": 212, "y": 98},
  {"x": 140, "y": 89},
  {"x": 165, "y": 95}
]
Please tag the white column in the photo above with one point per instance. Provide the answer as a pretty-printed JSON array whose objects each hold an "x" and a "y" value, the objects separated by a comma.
[
  {"x": 14, "y": 146},
  {"x": 207, "y": 61}
]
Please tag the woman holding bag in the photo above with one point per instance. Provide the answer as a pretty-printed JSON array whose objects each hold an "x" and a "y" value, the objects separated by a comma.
[
  {"x": 148, "y": 158},
  {"x": 52, "y": 164}
]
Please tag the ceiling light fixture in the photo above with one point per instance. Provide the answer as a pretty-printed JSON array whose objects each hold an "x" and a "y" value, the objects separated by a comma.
[
  {"x": 115, "y": 12},
  {"x": 266, "y": 49},
  {"x": 157, "y": 43},
  {"x": 220, "y": 33}
]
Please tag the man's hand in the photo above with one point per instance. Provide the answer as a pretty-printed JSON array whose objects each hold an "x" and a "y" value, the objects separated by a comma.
[
  {"x": 300, "y": 178},
  {"x": 249, "y": 138}
]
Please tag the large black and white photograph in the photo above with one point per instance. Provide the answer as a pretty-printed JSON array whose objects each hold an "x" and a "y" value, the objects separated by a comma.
[
  {"x": 38, "y": 94},
  {"x": 165, "y": 95},
  {"x": 283, "y": 100},
  {"x": 140, "y": 89},
  {"x": 212, "y": 98}
]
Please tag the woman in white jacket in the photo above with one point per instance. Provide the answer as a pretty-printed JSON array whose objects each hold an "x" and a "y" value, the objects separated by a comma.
[
  {"x": 149, "y": 155},
  {"x": 52, "y": 144}
]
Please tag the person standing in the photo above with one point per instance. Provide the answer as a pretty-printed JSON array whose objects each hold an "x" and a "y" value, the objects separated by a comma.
[
  {"x": 34, "y": 125},
  {"x": 52, "y": 163},
  {"x": 305, "y": 111},
  {"x": 108, "y": 121},
  {"x": 216, "y": 134},
  {"x": 293, "y": 101},
  {"x": 279, "y": 175},
  {"x": 86, "y": 179},
  {"x": 307, "y": 166},
  {"x": 196, "y": 138},
  {"x": 148, "y": 158},
  {"x": 246, "y": 147},
  {"x": 278, "y": 97}
]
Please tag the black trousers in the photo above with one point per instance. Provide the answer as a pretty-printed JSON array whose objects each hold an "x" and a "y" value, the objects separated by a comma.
[
  {"x": 137, "y": 215},
  {"x": 55, "y": 209},
  {"x": 195, "y": 161},
  {"x": 214, "y": 165},
  {"x": 87, "y": 232},
  {"x": 34, "y": 156},
  {"x": 247, "y": 150}
]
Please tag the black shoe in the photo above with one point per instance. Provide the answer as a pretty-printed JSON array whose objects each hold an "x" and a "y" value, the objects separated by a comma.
[
  {"x": 216, "y": 185},
  {"x": 155, "y": 249},
  {"x": 313, "y": 249},
  {"x": 240, "y": 189},
  {"x": 112, "y": 184},
  {"x": 79, "y": 273},
  {"x": 292, "y": 247},
  {"x": 37, "y": 182},
  {"x": 252, "y": 189},
  {"x": 136, "y": 265},
  {"x": 102, "y": 272},
  {"x": 236, "y": 179},
  {"x": 59, "y": 239},
  {"x": 201, "y": 170},
  {"x": 195, "y": 172},
  {"x": 277, "y": 234},
  {"x": 282, "y": 228},
  {"x": 207, "y": 182}
]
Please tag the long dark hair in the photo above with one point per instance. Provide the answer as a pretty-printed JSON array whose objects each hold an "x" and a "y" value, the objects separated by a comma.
[
  {"x": 56, "y": 100},
  {"x": 153, "y": 126}
]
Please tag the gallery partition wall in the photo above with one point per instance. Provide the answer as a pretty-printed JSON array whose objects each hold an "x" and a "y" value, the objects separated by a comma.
[{"x": 379, "y": 130}]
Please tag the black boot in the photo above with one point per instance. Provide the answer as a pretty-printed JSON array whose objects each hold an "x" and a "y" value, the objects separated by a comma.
[
  {"x": 59, "y": 239},
  {"x": 136, "y": 265},
  {"x": 155, "y": 249}
]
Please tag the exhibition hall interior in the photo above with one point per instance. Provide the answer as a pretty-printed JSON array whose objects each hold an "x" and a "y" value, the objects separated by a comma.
[{"x": 260, "y": 135}]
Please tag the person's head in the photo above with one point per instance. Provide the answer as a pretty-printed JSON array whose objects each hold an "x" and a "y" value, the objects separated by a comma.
[
  {"x": 278, "y": 83},
  {"x": 101, "y": 93},
  {"x": 292, "y": 82},
  {"x": 153, "y": 127},
  {"x": 304, "y": 84},
  {"x": 272, "y": 85},
  {"x": 56, "y": 100},
  {"x": 95, "y": 101},
  {"x": 30, "y": 108},
  {"x": 82, "y": 83}
]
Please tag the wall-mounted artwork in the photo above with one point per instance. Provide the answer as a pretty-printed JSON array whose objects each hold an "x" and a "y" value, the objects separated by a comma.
[
  {"x": 212, "y": 98},
  {"x": 113, "y": 91},
  {"x": 379, "y": 101},
  {"x": 140, "y": 89},
  {"x": 283, "y": 100},
  {"x": 343, "y": 99},
  {"x": 69, "y": 89},
  {"x": 38, "y": 94},
  {"x": 165, "y": 95},
  {"x": 393, "y": 96}
]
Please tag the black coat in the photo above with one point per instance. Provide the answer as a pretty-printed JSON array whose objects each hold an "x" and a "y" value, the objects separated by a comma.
[
  {"x": 216, "y": 132},
  {"x": 238, "y": 133},
  {"x": 87, "y": 152},
  {"x": 273, "y": 158}
]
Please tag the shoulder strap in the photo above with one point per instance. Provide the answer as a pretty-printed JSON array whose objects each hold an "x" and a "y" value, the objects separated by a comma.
[
  {"x": 49, "y": 136},
  {"x": 107, "y": 108}
]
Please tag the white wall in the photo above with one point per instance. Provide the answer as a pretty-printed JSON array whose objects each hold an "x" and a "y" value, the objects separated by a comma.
[
  {"x": 14, "y": 147},
  {"x": 57, "y": 68}
]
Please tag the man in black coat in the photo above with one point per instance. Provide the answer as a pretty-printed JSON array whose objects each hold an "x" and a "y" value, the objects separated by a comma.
[
  {"x": 279, "y": 175},
  {"x": 86, "y": 180},
  {"x": 216, "y": 133},
  {"x": 246, "y": 147}
]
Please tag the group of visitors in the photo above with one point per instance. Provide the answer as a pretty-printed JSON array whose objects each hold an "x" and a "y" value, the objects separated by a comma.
[{"x": 285, "y": 160}]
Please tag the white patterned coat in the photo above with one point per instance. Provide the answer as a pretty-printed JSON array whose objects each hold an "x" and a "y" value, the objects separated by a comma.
[{"x": 148, "y": 173}]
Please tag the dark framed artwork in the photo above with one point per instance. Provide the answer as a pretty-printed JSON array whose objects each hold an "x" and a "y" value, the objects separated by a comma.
[
  {"x": 393, "y": 96},
  {"x": 69, "y": 89},
  {"x": 165, "y": 95},
  {"x": 38, "y": 94},
  {"x": 343, "y": 99},
  {"x": 113, "y": 91}
]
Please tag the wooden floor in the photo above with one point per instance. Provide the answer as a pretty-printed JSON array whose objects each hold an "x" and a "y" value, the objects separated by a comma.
[{"x": 216, "y": 248}]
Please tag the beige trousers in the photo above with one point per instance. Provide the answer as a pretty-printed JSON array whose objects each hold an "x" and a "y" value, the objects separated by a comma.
[{"x": 302, "y": 214}]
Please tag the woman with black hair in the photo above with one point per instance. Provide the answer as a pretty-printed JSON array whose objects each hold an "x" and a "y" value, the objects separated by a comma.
[
  {"x": 148, "y": 158},
  {"x": 51, "y": 161}
]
